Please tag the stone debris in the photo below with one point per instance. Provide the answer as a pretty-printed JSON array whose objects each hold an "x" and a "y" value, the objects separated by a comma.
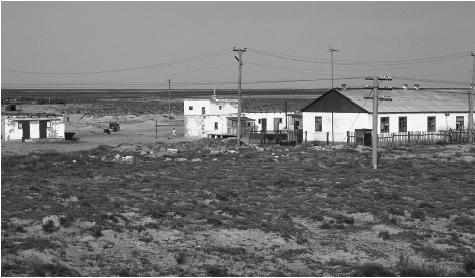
[
  {"x": 196, "y": 159},
  {"x": 54, "y": 219}
]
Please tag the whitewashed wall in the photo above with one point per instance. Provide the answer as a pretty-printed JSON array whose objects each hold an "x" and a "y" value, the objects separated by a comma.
[
  {"x": 56, "y": 130},
  {"x": 10, "y": 130},
  {"x": 344, "y": 122},
  {"x": 270, "y": 120},
  {"x": 199, "y": 125}
]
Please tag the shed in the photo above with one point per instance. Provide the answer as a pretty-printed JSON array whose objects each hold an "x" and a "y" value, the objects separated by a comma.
[{"x": 18, "y": 126}]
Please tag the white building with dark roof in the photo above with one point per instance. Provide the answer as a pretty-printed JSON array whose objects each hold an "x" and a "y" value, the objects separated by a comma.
[{"x": 411, "y": 110}]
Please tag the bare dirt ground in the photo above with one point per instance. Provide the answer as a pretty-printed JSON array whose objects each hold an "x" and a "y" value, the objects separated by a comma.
[
  {"x": 201, "y": 208},
  {"x": 88, "y": 124}
]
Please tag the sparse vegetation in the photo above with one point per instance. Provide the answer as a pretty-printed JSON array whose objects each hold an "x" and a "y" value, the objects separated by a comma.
[{"x": 267, "y": 215}]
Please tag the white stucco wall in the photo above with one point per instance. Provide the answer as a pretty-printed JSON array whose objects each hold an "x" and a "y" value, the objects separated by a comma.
[
  {"x": 344, "y": 122},
  {"x": 270, "y": 120},
  {"x": 12, "y": 132},
  {"x": 199, "y": 125}
]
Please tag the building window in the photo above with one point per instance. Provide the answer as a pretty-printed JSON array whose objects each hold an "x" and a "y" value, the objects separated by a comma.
[
  {"x": 384, "y": 125},
  {"x": 431, "y": 124},
  {"x": 318, "y": 123},
  {"x": 190, "y": 108},
  {"x": 215, "y": 125},
  {"x": 203, "y": 110},
  {"x": 220, "y": 107},
  {"x": 48, "y": 124},
  {"x": 259, "y": 121},
  {"x": 402, "y": 124},
  {"x": 280, "y": 120},
  {"x": 233, "y": 123},
  {"x": 20, "y": 126},
  {"x": 459, "y": 122}
]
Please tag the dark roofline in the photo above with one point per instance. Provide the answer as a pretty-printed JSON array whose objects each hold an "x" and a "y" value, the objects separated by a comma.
[{"x": 336, "y": 91}]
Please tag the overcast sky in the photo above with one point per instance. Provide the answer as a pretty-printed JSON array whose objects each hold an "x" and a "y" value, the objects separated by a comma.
[{"x": 53, "y": 43}]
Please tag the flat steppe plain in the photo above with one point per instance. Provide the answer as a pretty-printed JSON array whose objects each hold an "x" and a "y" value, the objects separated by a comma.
[{"x": 201, "y": 208}]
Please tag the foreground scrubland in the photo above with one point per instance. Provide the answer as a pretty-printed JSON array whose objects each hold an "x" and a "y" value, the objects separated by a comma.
[{"x": 202, "y": 208}]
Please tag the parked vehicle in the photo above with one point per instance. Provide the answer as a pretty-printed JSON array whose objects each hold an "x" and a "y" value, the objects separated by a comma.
[{"x": 114, "y": 126}]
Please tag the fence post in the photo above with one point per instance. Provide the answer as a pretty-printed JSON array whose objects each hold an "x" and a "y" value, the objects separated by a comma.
[
  {"x": 328, "y": 137},
  {"x": 408, "y": 137},
  {"x": 347, "y": 138},
  {"x": 305, "y": 138}
]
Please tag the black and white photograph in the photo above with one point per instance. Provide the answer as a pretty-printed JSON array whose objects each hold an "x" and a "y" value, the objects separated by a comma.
[{"x": 237, "y": 138}]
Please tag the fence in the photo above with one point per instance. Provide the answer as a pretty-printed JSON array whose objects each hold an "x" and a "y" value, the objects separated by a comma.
[
  {"x": 282, "y": 137},
  {"x": 415, "y": 137}
]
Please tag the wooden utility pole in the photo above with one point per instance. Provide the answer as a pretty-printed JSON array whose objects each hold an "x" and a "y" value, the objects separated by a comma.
[
  {"x": 332, "y": 95},
  {"x": 376, "y": 98},
  {"x": 169, "y": 95},
  {"x": 239, "y": 59},
  {"x": 471, "y": 94}
]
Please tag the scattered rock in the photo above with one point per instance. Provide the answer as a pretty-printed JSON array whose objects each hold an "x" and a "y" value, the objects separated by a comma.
[
  {"x": 117, "y": 157},
  {"x": 168, "y": 159},
  {"x": 214, "y": 151},
  {"x": 468, "y": 158},
  {"x": 196, "y": 159},
  {"x": 143, "y": 153},
  {"x": 361, "y": 148},
  {"x": 181, "y": 159},
  {"x": 172, "y": 151},
  {"x": 128, "y": 158},
  {"x": 51, "y": 223},
  {"x": 215, "y": 159}
]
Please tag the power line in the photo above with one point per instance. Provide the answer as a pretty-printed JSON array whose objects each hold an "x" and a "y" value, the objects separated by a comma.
[{"x": 164, "y": 64}]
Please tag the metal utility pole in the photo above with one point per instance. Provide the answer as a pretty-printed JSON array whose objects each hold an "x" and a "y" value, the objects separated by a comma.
[
  {"x": 376, "y": 98},
  {"x": 332, "y": 98},
  {"x": 169, "y": 95},
  {"x": 471, "y": 94},
  {"x": 239, "y": 59},
  {"x": 331, "y": 51}
]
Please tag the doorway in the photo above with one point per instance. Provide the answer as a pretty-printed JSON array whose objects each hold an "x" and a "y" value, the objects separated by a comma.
[
  {"x": 43, "y": 126},
  {"x": 25, "y": 126},
  {"x": 264, "y": 125}
]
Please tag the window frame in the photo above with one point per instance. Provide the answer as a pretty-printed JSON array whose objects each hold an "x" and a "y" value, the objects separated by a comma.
[
  {"x": 20, "y": 125},
  {"x": 321, "y": 123},
  {"x": 457, "y": 121},
  {"x": 203, "y": 110},
  {"x": 215, "y": 125},
  {"x": 381, "y": 130},
  {"x": 190, "y": 108},
  {"x": 431, "y": 127},
  {"x": 400, "y": 122}
]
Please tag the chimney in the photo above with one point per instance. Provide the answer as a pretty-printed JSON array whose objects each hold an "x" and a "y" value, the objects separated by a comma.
[
  {"x": 405, "y": 86},
  {"x": 416, "y": 86},
  {"x": 213, "y": 97}
]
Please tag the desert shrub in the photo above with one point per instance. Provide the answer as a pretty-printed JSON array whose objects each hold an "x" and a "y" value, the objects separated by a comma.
[
  {"x": 426, "y": 205},
  {"x": 66, "y": 221},
  {"x": 469, "y": 263},
  {"x": 418, "y": 214},
  {"x": 49, "y": 226},
  {"x": 48, "y": 270},
  {"x": 216, "y": 271},
  {"x": 180, "y": 258},
  {"x": 373, "y": 270},
  {"x": 340, "y": 218},
  {"x": 317, "y": 217},
  {"x": 157, "y": 212},
  {"x": 384, "y": 235},
  {"x": 325, "y": 225},
  {"x": 96, "y": 231},
  {"x": 214, "y": 221},
  {"x": 464, "y": 221},
  {"x": 411, "y": 269}
]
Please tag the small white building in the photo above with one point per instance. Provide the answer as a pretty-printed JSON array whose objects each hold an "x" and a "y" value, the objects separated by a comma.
[
  {"x": 217, "y": 116},
  {"x": 411, "y": 110},
  {"x": 18, "y": 126}
]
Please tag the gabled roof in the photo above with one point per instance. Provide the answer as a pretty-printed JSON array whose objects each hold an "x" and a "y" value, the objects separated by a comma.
[{"x": 405, "y": 100}]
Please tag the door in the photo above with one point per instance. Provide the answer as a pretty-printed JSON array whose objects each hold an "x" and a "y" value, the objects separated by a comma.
[
  {"x": 25, "y": 126},
  {"x": 277, "y": 121},
  {"x": 264, "y": 125},
  {"x": 43, "y": 126}
]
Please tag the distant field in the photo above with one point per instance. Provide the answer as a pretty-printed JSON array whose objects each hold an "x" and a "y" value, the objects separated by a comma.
[{"x": 83, "y": 93}]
